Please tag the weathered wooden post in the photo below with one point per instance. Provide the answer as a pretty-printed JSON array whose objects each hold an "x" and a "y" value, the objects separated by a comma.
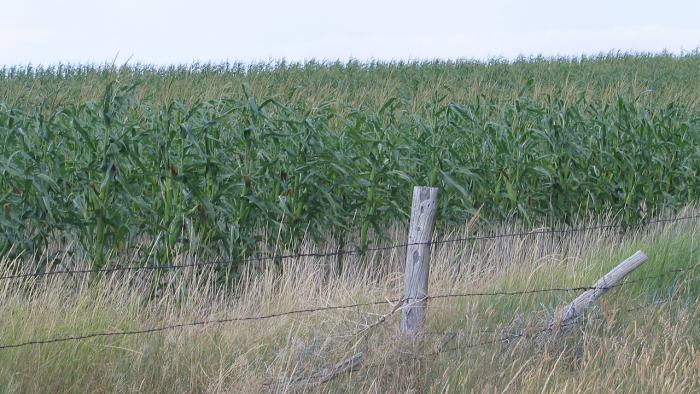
[
  {"x": 420, "y": 235},
  {"x": 589, "y": 297}
]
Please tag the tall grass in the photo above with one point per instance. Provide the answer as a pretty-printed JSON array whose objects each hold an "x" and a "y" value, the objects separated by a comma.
[{"x": 618, "y": 345}]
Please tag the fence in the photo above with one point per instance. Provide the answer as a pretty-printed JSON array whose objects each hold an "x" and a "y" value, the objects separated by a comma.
[{"x": 414, "y": 302}]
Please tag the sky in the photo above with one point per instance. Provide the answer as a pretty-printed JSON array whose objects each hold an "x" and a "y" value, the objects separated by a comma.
[{"x": 163, "y": 32}]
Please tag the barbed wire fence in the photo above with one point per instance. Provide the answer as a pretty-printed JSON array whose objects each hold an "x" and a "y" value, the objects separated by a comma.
[
  {"x": 396, "y": 303},
  {"x": 354, "y": 251}
]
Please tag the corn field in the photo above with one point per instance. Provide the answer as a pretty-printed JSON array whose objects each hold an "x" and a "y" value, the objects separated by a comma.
[{"x": 222, "y": 160}]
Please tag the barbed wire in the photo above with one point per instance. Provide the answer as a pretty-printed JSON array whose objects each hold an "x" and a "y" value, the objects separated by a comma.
[
  {"x": 564, "y": 289},
  {"x": 192, "y": 324},
  {"x": 530, "y": 333},
  {"x": 503, "y": 339},
  {"x": 357, "y": 250},
  {"x": 328, "y": 308}
]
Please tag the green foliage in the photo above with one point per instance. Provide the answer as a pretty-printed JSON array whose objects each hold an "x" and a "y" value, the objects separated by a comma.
[{"x": 224, "y": 175}]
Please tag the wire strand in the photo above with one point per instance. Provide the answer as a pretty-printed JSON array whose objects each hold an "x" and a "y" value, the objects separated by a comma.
[
  {"x": 356, "y": 250},
  {"x": 319, "y": 309}
]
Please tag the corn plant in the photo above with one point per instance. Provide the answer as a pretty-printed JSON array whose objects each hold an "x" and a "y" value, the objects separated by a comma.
[{"x": 226, "y": 177}]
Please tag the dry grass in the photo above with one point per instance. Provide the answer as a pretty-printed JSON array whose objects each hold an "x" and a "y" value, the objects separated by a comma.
[{"x": 653, "y": 347}]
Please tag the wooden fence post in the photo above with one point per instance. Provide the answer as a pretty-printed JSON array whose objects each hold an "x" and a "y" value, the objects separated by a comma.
[
  {"x": 588, "y": 298},
  {"x": 420, "y": 234}
]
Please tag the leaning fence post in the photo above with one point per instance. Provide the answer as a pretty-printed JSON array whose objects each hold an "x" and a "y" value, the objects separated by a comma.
[
  {"x": 588, "y": 298},
  {"x": 420, "y": 234}
]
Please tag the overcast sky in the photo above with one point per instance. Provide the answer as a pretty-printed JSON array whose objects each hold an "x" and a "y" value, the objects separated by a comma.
[{"x": 181, "y": 31}]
